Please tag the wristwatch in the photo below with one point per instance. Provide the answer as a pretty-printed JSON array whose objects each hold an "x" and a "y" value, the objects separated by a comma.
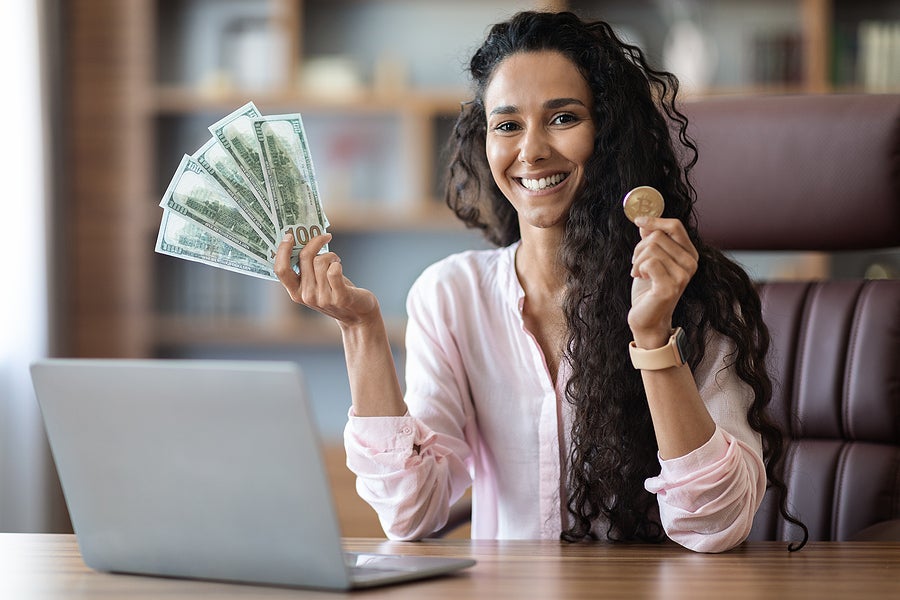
[{"x": 670, "y": 355}]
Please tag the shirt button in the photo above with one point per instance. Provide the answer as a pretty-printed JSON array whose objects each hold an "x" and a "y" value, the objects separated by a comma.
[{"x": 406, "y": 430}]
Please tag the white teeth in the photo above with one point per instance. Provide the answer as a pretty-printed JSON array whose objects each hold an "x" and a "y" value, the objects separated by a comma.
[{"x": 543, "y": 183}]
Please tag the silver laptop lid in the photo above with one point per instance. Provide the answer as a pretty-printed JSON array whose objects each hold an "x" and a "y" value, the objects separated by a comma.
[{"x": 167, "y": 468}]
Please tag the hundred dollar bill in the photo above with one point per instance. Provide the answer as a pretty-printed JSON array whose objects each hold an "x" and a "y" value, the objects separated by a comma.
[
  {"x": 222, "y": 167},
  {"x": 289, "y": 177},
  {"x": 196, "y": 195},
  {"x": 182, "y": 238},
  {"x": 235, "y": 133}
]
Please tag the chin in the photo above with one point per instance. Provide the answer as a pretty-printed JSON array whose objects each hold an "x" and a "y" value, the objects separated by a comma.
[{"x": 538, "y": 221}]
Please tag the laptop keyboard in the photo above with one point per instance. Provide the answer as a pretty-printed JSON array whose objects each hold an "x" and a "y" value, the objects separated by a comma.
[{"x": 364, "y": 563}]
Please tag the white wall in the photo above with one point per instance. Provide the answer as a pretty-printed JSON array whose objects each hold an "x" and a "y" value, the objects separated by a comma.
[{"x": 25, "y": 473}]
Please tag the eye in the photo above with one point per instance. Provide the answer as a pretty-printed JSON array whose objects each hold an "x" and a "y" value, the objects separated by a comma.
[
  {"x": 507, "y": 127},
  {"x": 564, "y": 119}
]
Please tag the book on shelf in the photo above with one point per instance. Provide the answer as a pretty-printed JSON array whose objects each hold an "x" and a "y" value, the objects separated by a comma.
[
  {"x": 878, "y": 56},
  {"x": 777, "y": 58}
]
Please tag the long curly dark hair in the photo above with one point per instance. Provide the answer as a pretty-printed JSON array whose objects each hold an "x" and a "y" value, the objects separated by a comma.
[{"x": 613, "y": 444}]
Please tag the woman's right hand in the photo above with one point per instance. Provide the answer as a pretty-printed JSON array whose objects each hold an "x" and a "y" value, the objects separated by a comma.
[{"x": 321, "y": 284}]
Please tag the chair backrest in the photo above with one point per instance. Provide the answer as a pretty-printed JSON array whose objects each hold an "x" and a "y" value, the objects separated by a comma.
[{"x": 817, "y": 173}]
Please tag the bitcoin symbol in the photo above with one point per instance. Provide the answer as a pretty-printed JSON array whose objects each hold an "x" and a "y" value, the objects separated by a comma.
[{"x": 643, "y": 201}]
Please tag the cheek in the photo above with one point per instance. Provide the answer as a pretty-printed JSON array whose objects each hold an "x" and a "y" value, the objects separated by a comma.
[
  {"x": 585, "y": 148},
  {"x": 498, "y": 156}
]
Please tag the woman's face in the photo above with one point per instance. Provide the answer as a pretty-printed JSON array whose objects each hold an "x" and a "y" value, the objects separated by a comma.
[{"x": 540, "y": 134}]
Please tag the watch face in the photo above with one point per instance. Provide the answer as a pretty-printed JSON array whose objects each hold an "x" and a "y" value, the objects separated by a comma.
[{"x": 681, "y": 344}]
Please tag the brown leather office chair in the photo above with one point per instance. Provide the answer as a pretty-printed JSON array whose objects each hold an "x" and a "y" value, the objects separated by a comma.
[
  {"x": 815, "y": 173},
  {"x": 818, "y": 173}
]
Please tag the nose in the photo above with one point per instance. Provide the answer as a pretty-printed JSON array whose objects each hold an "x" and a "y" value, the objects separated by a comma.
[{"x": 534, "y": 146}]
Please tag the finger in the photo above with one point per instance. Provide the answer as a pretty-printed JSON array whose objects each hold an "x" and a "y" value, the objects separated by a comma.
[
  {"x": 656, "y": 263},
  {"x": 671, "y": 236},
  {"x": 673, "y": 228},
  {"x": 305, "y": 262},
  {"x": 321, "y": 264},
  {"x": 653, "y": 268},
  {"x": 664, "y": 287},
  {"x": 315, "y": 245},
  {"x": 283, "y": 270},
  {"x": 336, "y": 277},
  {"x": 340, "y": 286},
  {"x": 661, "y": 245},
  {"x": 667, "y": 279}
]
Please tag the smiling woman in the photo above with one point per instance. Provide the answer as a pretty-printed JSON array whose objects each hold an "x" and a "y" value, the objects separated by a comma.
[
  {"x": 518, "y": 377},
  {"x": 540, "y": 135}
]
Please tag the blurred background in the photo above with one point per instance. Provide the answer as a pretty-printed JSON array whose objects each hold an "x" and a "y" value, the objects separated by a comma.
[{"x": 103, "y": 97}]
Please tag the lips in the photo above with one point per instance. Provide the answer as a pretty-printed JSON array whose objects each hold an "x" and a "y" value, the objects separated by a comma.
[{"x": 543, "y": 183}]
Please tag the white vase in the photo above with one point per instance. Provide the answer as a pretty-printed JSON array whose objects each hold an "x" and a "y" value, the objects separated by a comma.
[{"x": 690, "y": 55}]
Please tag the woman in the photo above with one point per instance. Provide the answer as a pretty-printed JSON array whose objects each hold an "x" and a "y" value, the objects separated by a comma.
[{"x": 519, "y": 376}]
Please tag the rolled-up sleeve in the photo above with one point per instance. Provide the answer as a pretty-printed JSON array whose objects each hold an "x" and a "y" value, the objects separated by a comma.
[
  {"x": 404, "y": 472},
  {"x": 411, "y": 469},
  {"x": 708, "y": 497}
]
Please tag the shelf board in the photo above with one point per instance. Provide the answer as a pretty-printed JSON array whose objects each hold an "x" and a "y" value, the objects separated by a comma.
[
  {"x": 374, "y": 217},
  {"x": 186, "y": 100},
  {"x": 176, "y": 100},
  {"x": 760, "y": 89},
  {"x": 364, "y": 217},
  {"x": 297, "y": 330}
]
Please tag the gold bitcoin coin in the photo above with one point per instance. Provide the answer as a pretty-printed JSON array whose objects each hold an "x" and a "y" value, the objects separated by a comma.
[{"x": 643, "y": 201}]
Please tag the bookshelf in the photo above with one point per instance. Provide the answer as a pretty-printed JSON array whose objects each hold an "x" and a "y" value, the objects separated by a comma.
[
  {"x": 143, "y": 79},
  {"x": 378, "y": 83}
]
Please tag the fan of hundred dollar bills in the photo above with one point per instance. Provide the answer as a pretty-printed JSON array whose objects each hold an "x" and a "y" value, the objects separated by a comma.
[{"x": 230, "y": 203}]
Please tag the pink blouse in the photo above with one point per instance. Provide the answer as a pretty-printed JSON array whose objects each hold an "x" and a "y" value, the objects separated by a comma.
[{"x": 483, "y": 412}]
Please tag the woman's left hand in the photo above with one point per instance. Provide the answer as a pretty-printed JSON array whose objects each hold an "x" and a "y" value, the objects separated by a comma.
[{"x": 663, "y": 263}]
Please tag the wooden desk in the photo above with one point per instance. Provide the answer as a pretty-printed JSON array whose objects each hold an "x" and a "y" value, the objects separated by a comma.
[{"x": 34, "y": 566}]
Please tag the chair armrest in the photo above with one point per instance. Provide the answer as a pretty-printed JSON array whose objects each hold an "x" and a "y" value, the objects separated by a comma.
[{"x": 885, "y": 531}]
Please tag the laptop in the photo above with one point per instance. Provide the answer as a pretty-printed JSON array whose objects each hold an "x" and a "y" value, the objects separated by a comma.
[{"x": 202, "y": 469}]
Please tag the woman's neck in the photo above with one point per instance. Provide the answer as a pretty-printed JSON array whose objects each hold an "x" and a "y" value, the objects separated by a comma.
[
  {"x": 538, "y": 267},
  {"x": 543, "y": 280}
]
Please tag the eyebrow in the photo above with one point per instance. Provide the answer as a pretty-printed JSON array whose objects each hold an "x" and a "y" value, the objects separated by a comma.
[{"x": 548, "y": 105}]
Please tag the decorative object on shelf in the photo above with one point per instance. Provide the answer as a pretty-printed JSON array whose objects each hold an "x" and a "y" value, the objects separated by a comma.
[
  {"x": 882, "y": 270},
  {"x": 229, "y": 208},
  {"x": 688, "y": 51},
  {"x": 878, "y": 58},
  {"x": 254, "y": 54},
  {"x": 331, "y": 76},
  {"x": 690, "y": 54},
  {"x": 390, "y": 76}
]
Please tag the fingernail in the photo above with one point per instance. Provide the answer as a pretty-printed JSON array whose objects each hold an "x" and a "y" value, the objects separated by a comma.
[
  {"x": 287, "y": 237},
  {"x": 641, "y": 221}
]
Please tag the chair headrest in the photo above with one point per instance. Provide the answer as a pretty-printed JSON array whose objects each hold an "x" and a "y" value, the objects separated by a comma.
[{"x": 805, "y": 172}]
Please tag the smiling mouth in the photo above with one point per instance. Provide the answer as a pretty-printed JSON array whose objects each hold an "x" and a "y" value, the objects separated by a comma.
[{"x": 543, "y": 183}]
